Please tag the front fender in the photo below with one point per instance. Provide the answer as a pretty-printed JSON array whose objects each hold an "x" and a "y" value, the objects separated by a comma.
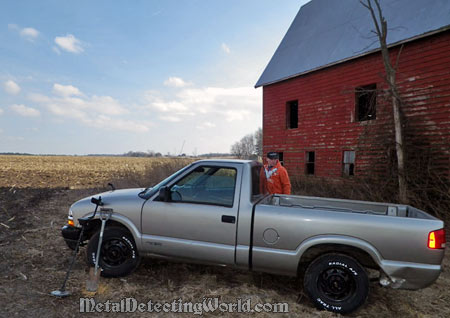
[{"x": 123, "y": 220}]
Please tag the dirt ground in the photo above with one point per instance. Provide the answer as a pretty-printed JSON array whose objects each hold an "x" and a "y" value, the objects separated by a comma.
[{"x": 34, "y": 259}]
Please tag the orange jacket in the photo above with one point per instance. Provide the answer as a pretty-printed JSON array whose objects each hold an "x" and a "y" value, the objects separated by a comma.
[{"x": 277, "y": 179}]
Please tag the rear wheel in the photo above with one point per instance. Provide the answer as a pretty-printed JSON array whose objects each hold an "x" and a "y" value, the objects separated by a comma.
[
  {"x": 118, "y": 253},
  {"x": 337, "y": 283}
]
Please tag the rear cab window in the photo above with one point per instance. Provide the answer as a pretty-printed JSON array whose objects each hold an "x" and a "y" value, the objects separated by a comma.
[{"x": 259, "y": 186}]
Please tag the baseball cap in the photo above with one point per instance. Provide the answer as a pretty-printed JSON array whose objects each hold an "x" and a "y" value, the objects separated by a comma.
[{"x": 272, "y": 155}]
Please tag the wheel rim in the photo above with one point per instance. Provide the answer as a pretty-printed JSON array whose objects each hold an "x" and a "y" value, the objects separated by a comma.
[
  {"x": 115, "y": 252},
  {"x": 337, "y": 284}
]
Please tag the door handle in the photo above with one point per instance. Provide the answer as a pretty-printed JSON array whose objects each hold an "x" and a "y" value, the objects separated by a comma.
[{"x": 228, "y": 219}]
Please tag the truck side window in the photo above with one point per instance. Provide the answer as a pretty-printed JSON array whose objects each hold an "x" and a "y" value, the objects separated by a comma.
[{"x": 206, "y": 185}]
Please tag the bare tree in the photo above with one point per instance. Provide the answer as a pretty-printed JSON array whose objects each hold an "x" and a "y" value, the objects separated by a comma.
[
  {"x": 381, "y": 32},
  {"x": 245, "y": 148},
  {"x": 237, "y": 150}
]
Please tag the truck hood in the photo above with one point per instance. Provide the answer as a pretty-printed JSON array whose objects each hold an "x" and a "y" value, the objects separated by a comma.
[{"x": 119, "y": 200}]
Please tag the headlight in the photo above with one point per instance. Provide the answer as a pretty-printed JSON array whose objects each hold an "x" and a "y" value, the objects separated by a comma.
[{"x": 70, "y": 218}]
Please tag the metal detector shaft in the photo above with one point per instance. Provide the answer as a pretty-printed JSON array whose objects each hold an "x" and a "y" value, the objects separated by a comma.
[
  {"x": 97, "y": 257},
  {"x": 100, "y": 240}
]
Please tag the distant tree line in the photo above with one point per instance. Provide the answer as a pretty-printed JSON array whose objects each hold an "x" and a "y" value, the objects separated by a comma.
[
  {"x": 149, "y": 153},
  {"x": 215, "y": 155}
]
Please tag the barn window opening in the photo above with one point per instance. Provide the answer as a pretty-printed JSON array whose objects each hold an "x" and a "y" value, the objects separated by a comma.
[
  {"x": 348, "y": 163},
  {"x": 310, "y": 161},
  {"x": 366, "y": 102},
  {"x": 292, "y": 114},
  {"x": 281, "y": 158}
]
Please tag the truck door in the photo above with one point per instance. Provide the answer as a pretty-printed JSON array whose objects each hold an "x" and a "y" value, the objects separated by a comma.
[{"x": 199, "y": 222}]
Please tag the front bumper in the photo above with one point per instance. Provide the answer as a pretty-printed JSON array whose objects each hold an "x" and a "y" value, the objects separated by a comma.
[{"x": 71, "y": 235}]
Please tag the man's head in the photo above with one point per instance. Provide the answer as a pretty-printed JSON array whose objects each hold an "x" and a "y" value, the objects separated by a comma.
[{"x": 272, "y": 158}]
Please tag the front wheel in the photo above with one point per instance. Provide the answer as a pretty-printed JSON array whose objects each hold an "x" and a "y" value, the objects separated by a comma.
[
  {"x": 118, "y": 253},
  {"x": 336, "y": 282}
]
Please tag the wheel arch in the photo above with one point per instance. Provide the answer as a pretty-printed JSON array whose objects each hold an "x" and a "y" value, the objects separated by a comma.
[
  {"x": 360, "y": 250},
  {"x": 116, "y": 220}
]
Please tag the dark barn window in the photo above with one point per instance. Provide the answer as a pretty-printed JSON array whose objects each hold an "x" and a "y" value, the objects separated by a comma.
[
  {"x": 292, "y": 114},
  {"x": 366, "y": 102},
  {"x": 310, "y": 160},
  {"x": 348, "y": 163},
  {"x": 281, "y": 158}
]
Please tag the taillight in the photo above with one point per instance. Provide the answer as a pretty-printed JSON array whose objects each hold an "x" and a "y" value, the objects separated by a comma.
[{"x": 436, "y": 239}]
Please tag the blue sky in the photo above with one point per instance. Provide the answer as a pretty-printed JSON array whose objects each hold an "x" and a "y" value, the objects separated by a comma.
[{"x": 80, "y": 77}]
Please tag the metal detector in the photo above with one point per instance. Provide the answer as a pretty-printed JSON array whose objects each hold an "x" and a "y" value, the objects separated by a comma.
[{"x": 84, "y": 222}]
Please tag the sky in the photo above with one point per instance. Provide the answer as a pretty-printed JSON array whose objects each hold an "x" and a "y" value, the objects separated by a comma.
[{"x": 108, "y": 77}]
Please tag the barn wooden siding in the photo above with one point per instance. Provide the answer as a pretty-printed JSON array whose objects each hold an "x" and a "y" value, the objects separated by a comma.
[{"x": 326, "y": 110}]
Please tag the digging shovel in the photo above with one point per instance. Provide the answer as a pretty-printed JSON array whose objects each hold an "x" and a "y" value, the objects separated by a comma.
[{"x": 94, "y": 272}]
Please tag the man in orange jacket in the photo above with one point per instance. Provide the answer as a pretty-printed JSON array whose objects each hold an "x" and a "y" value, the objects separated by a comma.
[{"x": 277, "y": 176}]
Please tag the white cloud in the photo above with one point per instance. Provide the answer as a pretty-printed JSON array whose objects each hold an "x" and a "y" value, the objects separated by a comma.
[
  {"x": 206, "y": 125},
  {"x": 106, "y": 122},
  {"x": 226, "y": 48},
  {"x": 220, "y": 100},
  {"x": 23, "y": 110},
  {"x": 69, "y": 43},
  {"x": 236, "y": 115},
  {"x": 169, "y": 106},
  {"x": 176, "y": 82},
  {"x": 39, "y": 98},
  {"x": 70, "y": 100},
  {"x": 106, "y": 105},
  {"x": 11, "y": 87},
  {"x": 1, "y": 111},
  {"x": 172, "y": 119},
  {"x": 65, "y": 90},
  {"x": 95, "y": 111},
  {"x": 64, "y": 110},
  {"x": 230, "y": 104},
  {"x": 29, "y": 33}
]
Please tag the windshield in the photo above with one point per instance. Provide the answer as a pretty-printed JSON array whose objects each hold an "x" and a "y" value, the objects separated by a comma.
[{"x": 147, "y": 193}]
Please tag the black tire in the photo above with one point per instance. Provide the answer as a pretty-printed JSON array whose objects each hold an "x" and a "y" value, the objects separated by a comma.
[
  {"x": 118, "y": 253},
  {"x": 337, "y": 283}
]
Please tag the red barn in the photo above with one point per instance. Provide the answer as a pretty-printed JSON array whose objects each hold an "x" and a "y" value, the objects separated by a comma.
[{"x": 325, "y": 106}]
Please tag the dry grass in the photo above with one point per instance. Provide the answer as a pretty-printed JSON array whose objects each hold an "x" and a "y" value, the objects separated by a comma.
[
  {"x": 75, "y": 172},
  {"x": 34, "y": 258}
]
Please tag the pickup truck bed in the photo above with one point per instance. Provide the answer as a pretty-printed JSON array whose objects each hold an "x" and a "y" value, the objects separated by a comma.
[{"x": 285, "y": 227}]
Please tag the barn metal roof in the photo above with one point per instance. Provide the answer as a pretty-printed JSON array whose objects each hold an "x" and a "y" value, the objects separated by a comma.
[{"x": 327, "y": 32}]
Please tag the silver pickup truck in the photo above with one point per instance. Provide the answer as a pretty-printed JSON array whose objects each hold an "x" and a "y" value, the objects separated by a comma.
[{"x": 218, "y": 212}]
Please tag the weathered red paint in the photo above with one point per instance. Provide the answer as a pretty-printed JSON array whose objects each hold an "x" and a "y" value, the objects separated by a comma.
[{"x": 326, "y": 103}]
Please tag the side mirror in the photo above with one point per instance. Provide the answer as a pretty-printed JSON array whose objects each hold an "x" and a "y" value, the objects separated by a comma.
[
  {"x": 164, "y": 194},
  {"x": 97, "y": 201}
]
